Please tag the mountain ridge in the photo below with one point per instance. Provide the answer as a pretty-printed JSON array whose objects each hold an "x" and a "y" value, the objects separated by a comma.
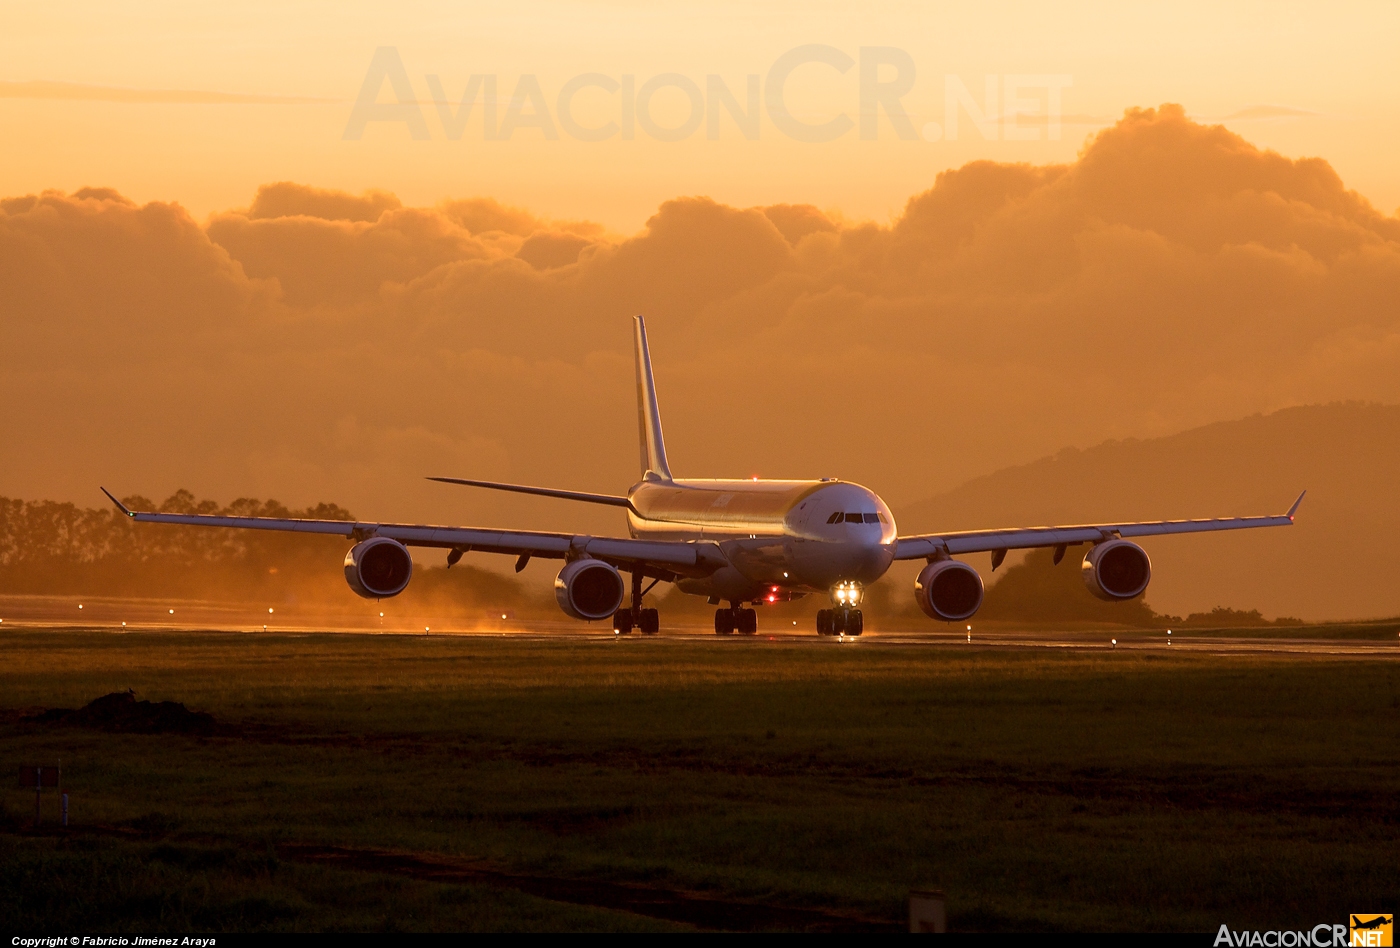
[{"x": 1338, "y": 561}]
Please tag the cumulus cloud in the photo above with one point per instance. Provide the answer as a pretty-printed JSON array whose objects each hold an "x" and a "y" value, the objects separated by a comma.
[
  {"x": 289, "y": 199},
  {"x": 1173, "y": 275}
]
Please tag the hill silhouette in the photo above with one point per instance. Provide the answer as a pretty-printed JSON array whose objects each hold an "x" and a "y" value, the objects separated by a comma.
[{"x": 1339, "y": 560}]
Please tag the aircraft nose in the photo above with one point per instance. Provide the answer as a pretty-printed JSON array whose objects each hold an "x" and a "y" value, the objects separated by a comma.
[{"x": 867, "y": 559}]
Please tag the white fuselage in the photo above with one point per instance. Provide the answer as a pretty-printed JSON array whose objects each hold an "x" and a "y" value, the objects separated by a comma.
[{"x": 781, "y": 538}]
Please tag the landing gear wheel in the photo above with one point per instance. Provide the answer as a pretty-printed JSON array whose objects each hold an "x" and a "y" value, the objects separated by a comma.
[
  {"x": 747, "y": 621},
  {"x": 838, "y": 621},
  {"x": 824, "y": 622},
  {"x": 724, "y": 622},
  {"x": 649, "y": 622},
  {"x": 622, "y": 621},
  {"x": 855, "y": 622}
]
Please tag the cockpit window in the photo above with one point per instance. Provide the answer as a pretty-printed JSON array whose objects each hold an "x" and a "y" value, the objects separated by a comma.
[
  {"x": 872, "y": 518},
  {"x": 882, "y": 518},
  {"x": 835, "y": 518},
  {"x": 853, "y": 518}
]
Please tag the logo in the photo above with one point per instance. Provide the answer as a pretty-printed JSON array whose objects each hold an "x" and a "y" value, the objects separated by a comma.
[
  {"x": 1372, "y": 930},
  {"x": 1367, "y": 929}
]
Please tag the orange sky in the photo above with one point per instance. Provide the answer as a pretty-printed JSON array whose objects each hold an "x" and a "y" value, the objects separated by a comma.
[
  {"x": 205, "y": 284},
  {"x": 1304, "y": 79}
]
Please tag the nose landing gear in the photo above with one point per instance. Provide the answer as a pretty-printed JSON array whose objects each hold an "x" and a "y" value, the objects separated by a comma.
[
  {"x": 843, "y": 621},
  {"x": 735, "y": 619}
]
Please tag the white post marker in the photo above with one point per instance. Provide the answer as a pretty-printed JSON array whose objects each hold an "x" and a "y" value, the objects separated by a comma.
[{"x": 927, "y": 911}]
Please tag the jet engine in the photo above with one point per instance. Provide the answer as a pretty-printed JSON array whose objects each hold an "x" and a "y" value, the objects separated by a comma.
[
  {"x": 378, "y": 568},
  {"x": 589, "y": 589},
  {"x": 1116, "y": 570},
  {"x": 949, "y": 590}
]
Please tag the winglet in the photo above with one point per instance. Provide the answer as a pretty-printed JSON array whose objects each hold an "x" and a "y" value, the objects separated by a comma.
[
  {"x": 1296, "y": 504},
  {"x": 120, "y": 506}
]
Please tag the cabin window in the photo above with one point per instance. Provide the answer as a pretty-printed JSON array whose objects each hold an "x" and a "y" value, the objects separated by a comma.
[
  {"x": 872, "y": 518},
  {"x": 835, "y": 518}
]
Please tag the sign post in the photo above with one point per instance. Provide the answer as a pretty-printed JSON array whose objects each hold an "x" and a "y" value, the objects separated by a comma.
[
  {"x": 927, "y": 911},
  {"x": 39, "y": 778}
]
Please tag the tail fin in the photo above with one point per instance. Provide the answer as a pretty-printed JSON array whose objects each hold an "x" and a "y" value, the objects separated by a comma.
[{"x": 648, "y": 414}]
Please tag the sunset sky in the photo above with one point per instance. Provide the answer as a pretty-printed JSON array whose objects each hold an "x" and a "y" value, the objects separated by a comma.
[
  {"x": 220, "y": 269},
  {"x": 1301, "y": 78}
]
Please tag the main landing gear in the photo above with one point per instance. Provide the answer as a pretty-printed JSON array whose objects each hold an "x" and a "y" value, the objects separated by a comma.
[
  {"x": 843, "y": 621},
  {"x": 735, "y": 619},
  {"x": 646, "y": 621}
]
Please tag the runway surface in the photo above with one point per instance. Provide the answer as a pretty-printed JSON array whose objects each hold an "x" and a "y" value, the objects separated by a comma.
[{"x": 1379, "y": 640}]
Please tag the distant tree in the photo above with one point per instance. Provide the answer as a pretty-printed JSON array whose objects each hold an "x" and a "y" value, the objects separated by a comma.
[
  {"x": 1221, "y": 618},
  {"x": 49, "y": 548}
]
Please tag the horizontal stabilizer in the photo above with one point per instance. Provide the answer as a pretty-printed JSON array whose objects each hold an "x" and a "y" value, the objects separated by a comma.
[{"x": 611, "y": 500}]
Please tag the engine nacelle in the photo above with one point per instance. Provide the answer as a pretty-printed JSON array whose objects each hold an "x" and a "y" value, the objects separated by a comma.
[
  {"x": 1116, "y": 570},
  {"x": 378, "y": 568},
  {"x": 589, "y": 589},
  {"x": 948, "y": 590}
]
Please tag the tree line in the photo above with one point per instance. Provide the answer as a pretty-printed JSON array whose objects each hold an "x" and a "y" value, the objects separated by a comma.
[{"x": 53, "y": 548}]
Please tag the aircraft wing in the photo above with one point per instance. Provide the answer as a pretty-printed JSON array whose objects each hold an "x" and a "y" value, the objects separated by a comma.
[
  {"x": 984, "y": 541},
  {"x": 671, "y": 557}
]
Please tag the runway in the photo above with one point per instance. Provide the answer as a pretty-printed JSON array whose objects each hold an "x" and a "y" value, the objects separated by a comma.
[{"x": 1372, "y": 639}]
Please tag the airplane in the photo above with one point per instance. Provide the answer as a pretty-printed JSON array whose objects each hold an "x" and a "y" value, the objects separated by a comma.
[
  {"x": 747, "y": 542},
  {"x": 1380, "y": 921}
]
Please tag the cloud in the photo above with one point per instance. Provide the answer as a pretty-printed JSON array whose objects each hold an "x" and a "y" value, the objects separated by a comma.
[
  {"x": 289, "y": 199},
  {"x": 85, "y": 92},
  {"x": 1173, "y": 275}
]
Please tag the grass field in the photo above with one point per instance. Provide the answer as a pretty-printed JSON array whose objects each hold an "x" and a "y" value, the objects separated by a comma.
[{"x": 444, "y": 783}]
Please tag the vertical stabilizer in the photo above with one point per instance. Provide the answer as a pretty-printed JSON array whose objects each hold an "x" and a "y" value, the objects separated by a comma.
[{"x": 648, "y": 414}]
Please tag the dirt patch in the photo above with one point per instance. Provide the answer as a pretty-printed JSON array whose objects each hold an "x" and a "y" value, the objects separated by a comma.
[
  {"x": 121, "y": 712},
  {"x": 675, "y": 905}
]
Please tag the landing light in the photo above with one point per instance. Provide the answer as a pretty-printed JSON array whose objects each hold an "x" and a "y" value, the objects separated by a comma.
[{"x": 847, "y": 594}]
